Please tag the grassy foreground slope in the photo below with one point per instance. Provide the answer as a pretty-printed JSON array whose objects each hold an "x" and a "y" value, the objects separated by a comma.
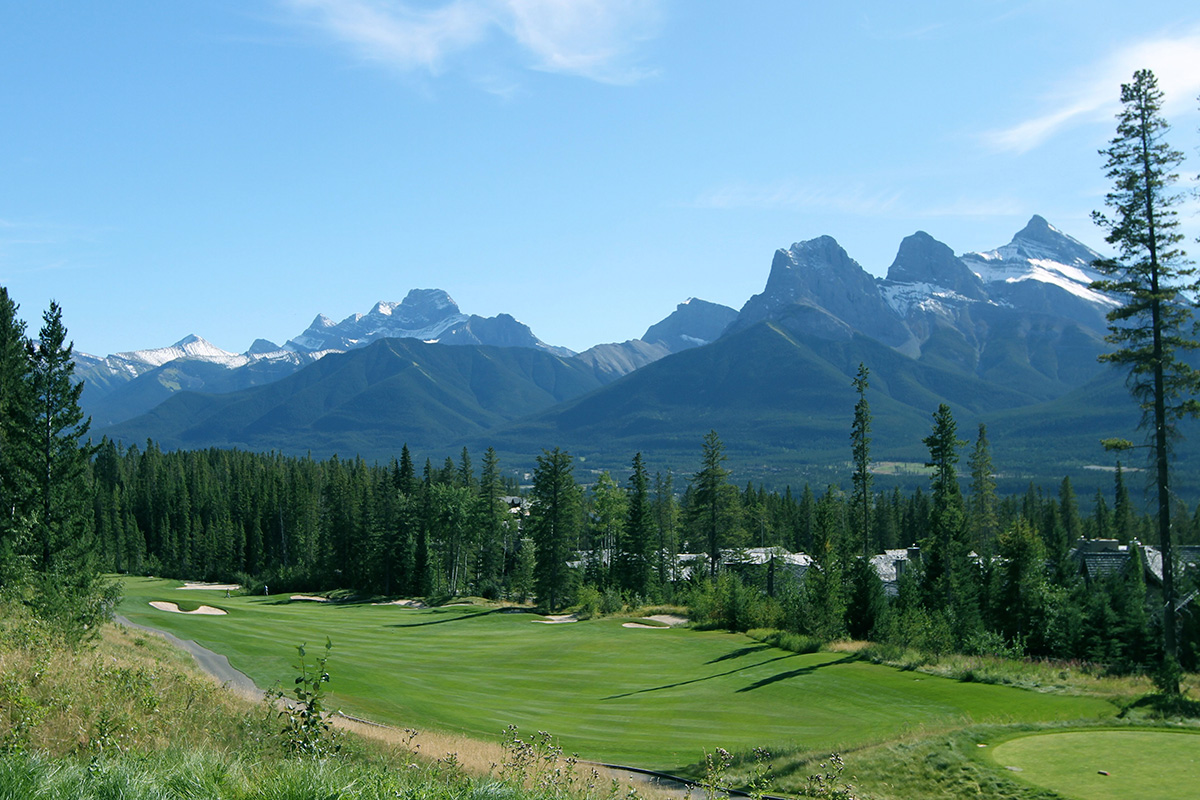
[{"x": 652, "y": 698}]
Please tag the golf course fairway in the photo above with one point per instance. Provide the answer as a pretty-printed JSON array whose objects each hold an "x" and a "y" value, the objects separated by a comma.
[
  {"x": 1107, "y": 765},
  {"x": 641, "y": 697}
]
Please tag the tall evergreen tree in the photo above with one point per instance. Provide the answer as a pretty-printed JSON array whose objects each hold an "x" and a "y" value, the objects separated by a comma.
[
  {"x": 492, "y": 521},
  {"x": 71, "y": 588},
  {"x": 981, "y": 507},
  {"x": 950, "y": 580},
  {"x": 860, "y": 448},
  {"x": 713, "y": 510},
  {"x": 1153, "y": 326},
  {"x": 1123, "y": 521},
  {"x": 16, "y": 427},
  {"x": 638, "y": 536},
  {"x": 1069, "y": 512},
  {"x": 554, "y": 518}
]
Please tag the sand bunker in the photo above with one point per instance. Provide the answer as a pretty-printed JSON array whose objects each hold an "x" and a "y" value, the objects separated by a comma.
[
  {"x": 405, "y": 603},
  {"x": 164, "y": 605},
  {"x": 673, "y": 620},
  {"x": 640, "y": 625},
  {"x": 216, "y": 587},
  {"x": 309, "y": 598},
  {"x": 555, "y": 619}
]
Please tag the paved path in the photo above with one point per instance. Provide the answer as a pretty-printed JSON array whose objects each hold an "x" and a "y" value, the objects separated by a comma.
[{"x": 214, "y": 664}]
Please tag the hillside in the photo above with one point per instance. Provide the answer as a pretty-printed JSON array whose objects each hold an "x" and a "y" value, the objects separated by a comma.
[{"x": 370, "y": 401}]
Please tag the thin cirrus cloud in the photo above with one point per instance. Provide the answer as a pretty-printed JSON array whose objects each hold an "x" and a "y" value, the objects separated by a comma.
[
  {"x": 1095, "y": 92},
  {"x": 593, "y": 39},
  {"x": 788, "y": 196}
]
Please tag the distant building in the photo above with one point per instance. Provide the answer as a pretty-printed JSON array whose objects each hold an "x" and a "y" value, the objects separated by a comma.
[
  {"x": 891, "y": 564},
  {"x": 1099, "y": 558}
]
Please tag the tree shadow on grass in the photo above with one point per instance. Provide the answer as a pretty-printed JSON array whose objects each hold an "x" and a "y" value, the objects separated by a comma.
[
  {"x": 741, "y": 651},
  {"x": 796, "y": 673},
  {"x": 698, "y": 680},
  {"x": 458, "y": 617}
]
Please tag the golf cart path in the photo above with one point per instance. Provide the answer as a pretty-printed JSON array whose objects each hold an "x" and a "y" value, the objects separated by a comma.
[{"x": 214, "y": 664}]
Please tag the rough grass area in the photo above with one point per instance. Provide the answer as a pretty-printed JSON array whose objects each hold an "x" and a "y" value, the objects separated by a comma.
[
  {"x": 130, "y": 692},
  {"x": 1058, "y": 677},
  {"x": 659, "y": 700},
  {"x": 1103, "y": 764}
]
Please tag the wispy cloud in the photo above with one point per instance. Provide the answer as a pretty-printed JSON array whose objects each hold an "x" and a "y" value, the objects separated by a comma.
[
  {"x": 594, "y": 39},
  {"x": 1093, "y": 93},
  {"x": 395, "y": 34},
  {"x": 852, "y": 198},
  {"x": 843, "y": 198},
  {"x": 985, "y": 208}
]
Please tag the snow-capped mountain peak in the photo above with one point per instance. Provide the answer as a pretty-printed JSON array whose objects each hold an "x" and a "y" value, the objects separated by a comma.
[{"x": 1041, "y": 254}]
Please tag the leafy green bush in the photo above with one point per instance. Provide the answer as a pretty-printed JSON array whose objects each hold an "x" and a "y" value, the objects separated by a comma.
[{"x": 730, "y": 604}]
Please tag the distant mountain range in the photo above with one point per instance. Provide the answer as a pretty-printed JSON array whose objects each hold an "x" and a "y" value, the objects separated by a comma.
[
  {"x": 1009, "y": 337},
  {"x": 124, "y": 385}
]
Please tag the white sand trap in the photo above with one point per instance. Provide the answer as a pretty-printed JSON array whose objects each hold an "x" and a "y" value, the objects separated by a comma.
[
  {"x": 310, "y": 598},
  {"x": 405, "y": 603},
  {"x": 165, "y": 605},
  {"x": 640, "y": 625},
  {"x": 673, "y": 620},
  {"x": 556, "y": 619},
  {"x": 216, "y": 587}
]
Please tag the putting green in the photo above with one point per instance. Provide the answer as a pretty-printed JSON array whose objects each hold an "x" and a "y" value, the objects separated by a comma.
[
  {"x": 653, "y": 698},
  {"x": 1142, "y": 764}
]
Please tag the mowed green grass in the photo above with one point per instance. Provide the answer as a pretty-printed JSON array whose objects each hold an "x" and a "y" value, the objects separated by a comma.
[
  {"x": 1146, "y": 764},
  {"x": 651, "y": 698}
]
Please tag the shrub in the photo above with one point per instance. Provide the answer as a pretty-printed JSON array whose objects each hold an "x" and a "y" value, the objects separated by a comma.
[
  {"x": 785, "y": 640},
  {"x": 306, "y": 731}
]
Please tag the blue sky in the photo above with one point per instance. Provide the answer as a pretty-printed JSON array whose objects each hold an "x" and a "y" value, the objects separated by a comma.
[{"x": 232, "y": 168}]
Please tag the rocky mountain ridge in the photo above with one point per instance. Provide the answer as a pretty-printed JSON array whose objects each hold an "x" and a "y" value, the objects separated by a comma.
[{"x": 123, "y": 385}]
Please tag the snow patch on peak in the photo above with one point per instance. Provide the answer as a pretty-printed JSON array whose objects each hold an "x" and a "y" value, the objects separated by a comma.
[
  {"x": 904, "y": 298},
  {"x": 384, "y": 308},
  {"x": 1067, "y": 279}
]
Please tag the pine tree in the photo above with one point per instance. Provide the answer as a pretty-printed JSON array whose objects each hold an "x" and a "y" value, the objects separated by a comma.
[
  {"x": 492, "y": 522},
  {"x": 71, "y": 589},
  {"x": 981, "y": 506},
  {"x": 950, "y": 582},
  {"x": 1122, "y": 517},
  {"x": 1153, "y": 326},
  {"x": 713, "y": 510},
  {"x": 554, "y": 518},
  {"x": 15, "y": 441},
  {"x": 638, "y": 539},
  {"x": 1069, "y": 512},
  {"x": 860, "y": 448}
]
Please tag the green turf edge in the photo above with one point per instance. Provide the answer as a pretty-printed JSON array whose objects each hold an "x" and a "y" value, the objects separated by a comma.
[{"x": 987, "y": 754}]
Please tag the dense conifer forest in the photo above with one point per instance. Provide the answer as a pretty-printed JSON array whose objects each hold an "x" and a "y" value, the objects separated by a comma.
[{"x": 994, "y": 574}]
